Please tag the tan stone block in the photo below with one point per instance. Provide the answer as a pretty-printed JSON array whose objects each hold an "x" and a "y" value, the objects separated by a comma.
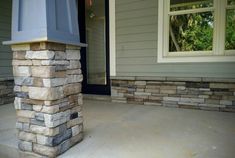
[
  {"x": 76, "y": 109},
  {"x": 141, "y": 97},
  {"x": 168, "y": 91},
  {"x": 23, "y": 119},
  {"x": 54, "y": 82},
  {"x": 74, "y": 78},
  {"x": 24, "y": 71},
  {"x": 50, "y": 109},
  {"x": 226, "y": 102},
  {"x": 157, "y": 98},
  {"x": 24, "y": 89},
  {"x": 22, "y": 62},
  {"x": 33, "y": 101},
  {"x": 42, "y": 93},
  {"x": 72, "y": 89},
  {"x": 43, "y": 71},
  {"x": 222, "y": 85},
  {"x": 72, "y": 47},
  {"x": 74, "y": 122},
  {"x": 74, "y": 72},
  {"x": 169, "y": 87},
  {"x": 73, "y": 98},
  {"x": 20, "y": 47},
  {"x": 73, "y": 54},
  {"x": 44, "y": 130},
  {"x": 47, "y": 46},
  {"x": 152, "y": 90},
  {"x": 153, "y": 103},
  {"x": 60, "y": 55},
  {"x": 25, "y": 113},
  {"x": 140, "y": 83},
  {"x": 37, "y": 82},
  {"x": 37, "y": 108},
  {"x": 36, "y": 62},
  {"x": 17, "y": 89},
  {"x": 76, "y": 130},
  {"x": 54, "y": 102},
  {"x": 76, "y": 139},
  {"x": 142, "y": 93},
  {"x": 175, "y": 99},
  {"x": 152, "y": 86},
  {"x": 45, "y": 150},
  {"x": 192, "y": 100},
  {"x": 74, "y": 64},
  {"x": 44, "y": 54},
  {"x": 59, "y": 74},
  {"x": 30, "y": 137},
  {"x": 54, "y": 62},
  {"x": 19, "y": 55}
]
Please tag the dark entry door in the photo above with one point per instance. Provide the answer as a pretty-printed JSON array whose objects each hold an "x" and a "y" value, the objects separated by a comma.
[{"x": 94, "y": 30}]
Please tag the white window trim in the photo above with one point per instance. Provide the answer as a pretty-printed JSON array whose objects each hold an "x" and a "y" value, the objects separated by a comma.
[
  {"x": 218, "y": 54},
  {"x": 112, "y": 38}
]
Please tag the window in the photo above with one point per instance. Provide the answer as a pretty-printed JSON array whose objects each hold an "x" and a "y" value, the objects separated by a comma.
[{"x": 196, "y": 31}]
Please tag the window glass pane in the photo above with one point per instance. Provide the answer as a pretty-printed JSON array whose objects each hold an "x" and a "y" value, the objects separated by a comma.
[
  {"x": 230, "y": 30},
  {"x": 231, "y": 2},
  {"x": 189, "y": 4},
  {"x": 95, "y": 38},
  {"x": 191, "y": 32}
]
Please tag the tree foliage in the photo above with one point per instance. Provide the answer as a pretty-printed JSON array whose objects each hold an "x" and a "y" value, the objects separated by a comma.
[{"x": 194, "y": 32}]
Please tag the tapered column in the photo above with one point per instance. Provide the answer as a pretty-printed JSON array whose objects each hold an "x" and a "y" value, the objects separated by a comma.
[
  {"x": 47, "y": 73},
  {"x": 48, "y": 99}
]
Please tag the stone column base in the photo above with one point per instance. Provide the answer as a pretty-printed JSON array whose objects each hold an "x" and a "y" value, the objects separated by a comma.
[{"x": 48, "y": 99}]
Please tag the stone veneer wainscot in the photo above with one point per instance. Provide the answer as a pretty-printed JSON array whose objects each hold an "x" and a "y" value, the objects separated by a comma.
[
  {"x": 195, "y": 93},
  {"x": 48, "y": 99}
]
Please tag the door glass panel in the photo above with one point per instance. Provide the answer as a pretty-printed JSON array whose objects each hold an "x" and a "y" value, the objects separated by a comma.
[{"x": 95, "y": 38}]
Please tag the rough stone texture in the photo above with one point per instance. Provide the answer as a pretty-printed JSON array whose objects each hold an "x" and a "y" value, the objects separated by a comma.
[
  {"x": 48, "y": 97},
  {"x": 6, "y": 91},
  {"x": 193, "y": 93}
]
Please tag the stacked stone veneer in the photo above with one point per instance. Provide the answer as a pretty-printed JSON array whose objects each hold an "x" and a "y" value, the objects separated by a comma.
[
  {"x": 194, "y": 93},
  {"x": 48, "y": 97},
  {"x": 6, "y": 91}
]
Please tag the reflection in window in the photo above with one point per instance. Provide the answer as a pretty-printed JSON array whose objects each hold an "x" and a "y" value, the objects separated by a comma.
[
  {"x": 176, "y": 5},
  {"x": 230, "y": 29},
  {"x": 191, "y": 32},
  {"x": 231, "y": 2}
]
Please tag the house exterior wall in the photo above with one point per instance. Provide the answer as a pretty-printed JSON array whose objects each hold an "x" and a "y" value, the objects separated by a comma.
[
  {"x": 6, "y": 80},
  {"x": 5, "y": 34},
  {"x": 136, "y": 46},
  {"x": 140, "y": 79}
]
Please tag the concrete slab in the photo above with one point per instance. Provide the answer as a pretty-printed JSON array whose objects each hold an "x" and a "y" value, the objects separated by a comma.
[{"x": 125, "y": 131}]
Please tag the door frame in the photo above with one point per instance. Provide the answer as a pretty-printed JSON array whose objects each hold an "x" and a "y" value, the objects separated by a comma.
[{"x": 94, "y": 88}]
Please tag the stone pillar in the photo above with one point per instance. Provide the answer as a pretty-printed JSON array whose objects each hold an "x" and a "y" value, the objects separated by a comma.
[{"x": 48, "y": 98}]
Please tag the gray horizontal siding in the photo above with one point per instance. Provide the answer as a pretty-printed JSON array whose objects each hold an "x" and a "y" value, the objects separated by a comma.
[
  {"x": 136, "y": 46},
  {"x": 5, "y": 34}
]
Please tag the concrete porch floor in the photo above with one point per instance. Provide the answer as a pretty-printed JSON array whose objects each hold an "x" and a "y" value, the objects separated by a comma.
[{"x": 136, "y": 131}]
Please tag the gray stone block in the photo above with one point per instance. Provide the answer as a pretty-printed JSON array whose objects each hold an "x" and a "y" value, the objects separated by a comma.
[
  {"x": 64, "y": 146},
  {"x": 25, "y": 146},
  {"x": 37, "y": 122},
  {"x": 61, "y": 137}
]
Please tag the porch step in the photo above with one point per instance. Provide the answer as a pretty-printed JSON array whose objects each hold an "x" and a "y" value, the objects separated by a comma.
[{"x": 97, "y": 97}]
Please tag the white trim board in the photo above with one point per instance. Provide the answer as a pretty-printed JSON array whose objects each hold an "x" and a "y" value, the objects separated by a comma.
[{"x": 112, "y": 38}]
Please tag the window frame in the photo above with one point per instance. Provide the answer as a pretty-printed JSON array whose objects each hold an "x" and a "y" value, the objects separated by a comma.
[{"x": 218, "y": 53}]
